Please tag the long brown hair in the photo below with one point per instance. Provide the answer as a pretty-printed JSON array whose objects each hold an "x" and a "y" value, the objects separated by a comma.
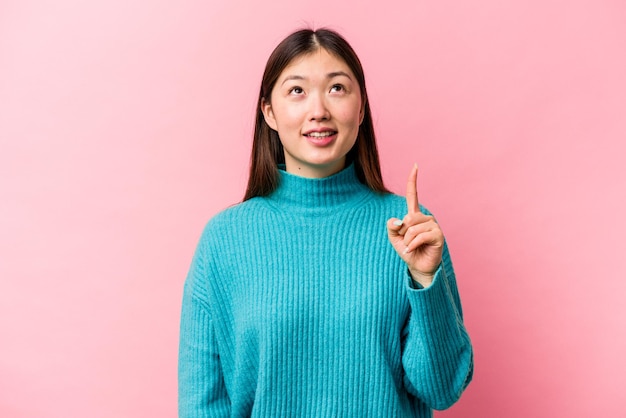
[{"x": 267, "y": 150}]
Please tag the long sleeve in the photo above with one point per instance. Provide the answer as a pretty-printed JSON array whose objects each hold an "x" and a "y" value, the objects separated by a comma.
[
  {"x": 437, "y": 355},
  {"x": 201, "y": 389},
  {"x": 295, "y": 306}
]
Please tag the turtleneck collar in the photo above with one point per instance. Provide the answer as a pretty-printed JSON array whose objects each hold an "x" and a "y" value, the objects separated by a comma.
[{"x": 295, "y": 193}]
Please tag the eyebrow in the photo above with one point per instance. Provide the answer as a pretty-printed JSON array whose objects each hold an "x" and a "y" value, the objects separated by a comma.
[{"x": 328, "y": 76}]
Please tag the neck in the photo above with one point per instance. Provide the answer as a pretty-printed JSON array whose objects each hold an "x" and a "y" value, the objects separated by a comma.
[
  {"x": 297, "y": 168},
  {"x": 318, "y": 195}
]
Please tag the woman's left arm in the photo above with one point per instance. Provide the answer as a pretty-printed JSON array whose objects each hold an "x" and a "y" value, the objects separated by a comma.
[{"x": 437, "y": 353}]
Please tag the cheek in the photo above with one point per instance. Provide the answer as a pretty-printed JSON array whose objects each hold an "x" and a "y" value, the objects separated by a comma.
[
  {"x": 352, "y": 111},
  {"x": 288, "y": 116},
  {"x": 351, "y": 116}
]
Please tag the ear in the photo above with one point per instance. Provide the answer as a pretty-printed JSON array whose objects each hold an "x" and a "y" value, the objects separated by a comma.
[{"x": 268, "y": 114}]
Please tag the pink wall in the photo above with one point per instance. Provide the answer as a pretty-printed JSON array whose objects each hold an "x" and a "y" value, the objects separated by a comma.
[{"x": 124, "y": 125}]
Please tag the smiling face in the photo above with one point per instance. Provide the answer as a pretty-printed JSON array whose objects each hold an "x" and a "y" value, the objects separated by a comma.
[{"x": 316, "y": 108}]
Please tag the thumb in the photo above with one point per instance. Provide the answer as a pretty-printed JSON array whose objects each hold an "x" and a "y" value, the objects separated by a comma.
[{"x": 394, "y": 225}]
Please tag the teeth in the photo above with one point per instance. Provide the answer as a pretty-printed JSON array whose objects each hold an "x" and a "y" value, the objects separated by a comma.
[{"x": 320, "y": 134}]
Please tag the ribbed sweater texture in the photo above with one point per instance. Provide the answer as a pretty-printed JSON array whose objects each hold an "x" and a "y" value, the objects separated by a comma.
[{"x": 296, "y": 305}]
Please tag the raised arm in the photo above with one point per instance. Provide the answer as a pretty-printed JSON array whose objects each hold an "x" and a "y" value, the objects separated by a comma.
[{"x": 437, "y": 353}]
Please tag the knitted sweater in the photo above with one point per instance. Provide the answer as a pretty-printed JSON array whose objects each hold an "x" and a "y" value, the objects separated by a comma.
[{"x": 296, "y": 305}]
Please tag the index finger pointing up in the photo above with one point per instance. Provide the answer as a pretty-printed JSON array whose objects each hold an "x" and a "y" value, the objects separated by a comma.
[{"x": 411, "y": 192}]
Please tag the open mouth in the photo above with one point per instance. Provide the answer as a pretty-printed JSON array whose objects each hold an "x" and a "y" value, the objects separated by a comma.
[{"x": 324, "y": 134}]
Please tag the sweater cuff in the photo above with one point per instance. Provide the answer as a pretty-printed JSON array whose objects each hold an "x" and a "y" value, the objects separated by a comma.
[
  {"x": 415, "y": 285},
  {"x": 434, "y": 303}
]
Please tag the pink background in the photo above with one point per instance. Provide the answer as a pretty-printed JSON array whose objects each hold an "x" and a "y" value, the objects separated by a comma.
[{"x": 125, "y": 125}]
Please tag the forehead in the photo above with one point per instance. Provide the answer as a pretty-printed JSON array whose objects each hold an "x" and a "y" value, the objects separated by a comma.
[{"x": 319, "y": 61}]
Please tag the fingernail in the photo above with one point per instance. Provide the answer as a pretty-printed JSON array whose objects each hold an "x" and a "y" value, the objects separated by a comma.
[
  {"x": 406, "y": 250},
  {"x": 397, "y": 222},
  {"x": 416, "y": 165}
]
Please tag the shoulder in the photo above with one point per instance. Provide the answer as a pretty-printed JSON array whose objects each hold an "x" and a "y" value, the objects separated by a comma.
[
  {"x": 236, "y": 213},
  {"x": 392, "y": 201},
  {"x": 234, "y": 218}
]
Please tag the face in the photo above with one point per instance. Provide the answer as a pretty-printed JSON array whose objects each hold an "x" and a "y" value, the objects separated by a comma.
[{"x": 316, "y": 108}]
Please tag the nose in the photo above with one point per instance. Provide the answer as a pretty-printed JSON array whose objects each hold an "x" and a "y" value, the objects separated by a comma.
[{"x": 318, "y": 109}]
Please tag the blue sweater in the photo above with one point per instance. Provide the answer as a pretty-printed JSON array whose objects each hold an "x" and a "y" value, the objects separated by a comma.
[{"x": 296, "y": 305}]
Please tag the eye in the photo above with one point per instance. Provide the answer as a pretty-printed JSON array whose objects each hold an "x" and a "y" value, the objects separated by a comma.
[
  {"x": 296, "y": 90},
  {"x": 337, "y": 88}
]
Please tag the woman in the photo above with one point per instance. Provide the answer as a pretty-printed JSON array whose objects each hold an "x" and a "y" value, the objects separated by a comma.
[{"x": 309, "y": 298}]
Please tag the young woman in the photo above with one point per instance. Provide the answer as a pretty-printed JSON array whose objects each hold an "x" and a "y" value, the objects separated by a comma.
[{"x": 310, "y": 298}]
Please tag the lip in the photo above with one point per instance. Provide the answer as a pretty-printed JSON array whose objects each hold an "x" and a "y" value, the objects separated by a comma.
[{"x": 323, "y": 140}]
